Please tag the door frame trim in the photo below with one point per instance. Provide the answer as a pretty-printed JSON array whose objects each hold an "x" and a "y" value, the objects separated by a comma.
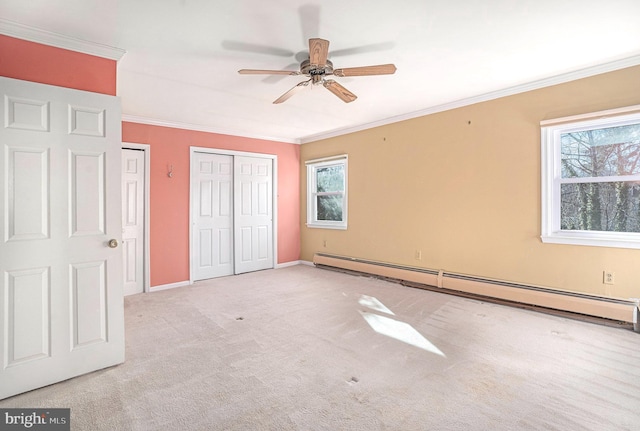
[
  {"x": 146, "y": 148},
  {"x": 274, "y": 197}
]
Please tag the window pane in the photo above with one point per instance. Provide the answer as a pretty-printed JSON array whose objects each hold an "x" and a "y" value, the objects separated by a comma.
[
  {"x": 601, "y": 152},
  {"x": 330, "y": 178},
  {"x": 329, "y": 208},
  {"x": 611, "y": 207}
]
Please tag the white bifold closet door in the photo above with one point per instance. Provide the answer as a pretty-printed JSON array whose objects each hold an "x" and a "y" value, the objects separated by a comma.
[{"x": 232, "y": 214}]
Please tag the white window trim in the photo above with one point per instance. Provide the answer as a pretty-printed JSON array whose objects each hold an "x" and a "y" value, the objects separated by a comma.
[
  {"x": 311, "y": 187},
  {"x": 551, "y": 175}
]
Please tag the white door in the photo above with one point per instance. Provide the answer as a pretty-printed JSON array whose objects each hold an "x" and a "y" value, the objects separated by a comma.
[
  {"x": 61, "y": 301},
  {"x": 212, "y": 215},
  {"x": 133, "y": 199},
  {"x": 253, "y": 183}
]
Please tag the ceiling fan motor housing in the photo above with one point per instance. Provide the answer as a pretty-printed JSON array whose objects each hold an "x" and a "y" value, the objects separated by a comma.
[{"x": 316, "y": 72}]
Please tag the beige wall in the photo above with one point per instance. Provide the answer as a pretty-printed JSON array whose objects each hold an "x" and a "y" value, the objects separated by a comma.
[{"x": 463, "y": 187}]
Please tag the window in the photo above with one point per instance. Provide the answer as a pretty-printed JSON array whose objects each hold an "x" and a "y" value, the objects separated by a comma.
[
  {"x": 591, "y": 179},
  {"x": 327, "y": 193}
]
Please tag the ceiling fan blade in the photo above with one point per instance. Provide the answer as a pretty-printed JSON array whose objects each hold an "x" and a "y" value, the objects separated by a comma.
[
  {"x": 382, "y": 69},
  {"x": 310, "y": 21},
  {"x": 267, "y": 72},
  {"x": 318, "y": 51},
  {"x": 277, "y": 78},
  {"x": 234, "y": 45},
  {"x": 291, "y": 92},
  {"x": 339, "y": 90},
  {"x": 374, "y": 47}
]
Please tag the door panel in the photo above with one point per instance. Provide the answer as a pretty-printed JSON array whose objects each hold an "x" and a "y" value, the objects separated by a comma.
[
  {"x": 60, "y": 285},
  {"x": 28, "y": 175},
  {"x": 87, "y": 193},
  {"x": 88, "y": 292},
  {"x": 28, "y": 315}
]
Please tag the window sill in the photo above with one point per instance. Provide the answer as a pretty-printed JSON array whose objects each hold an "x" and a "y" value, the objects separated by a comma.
[
  {"x": 326, "y": 226},
  {"x": 594, "y": 239}
]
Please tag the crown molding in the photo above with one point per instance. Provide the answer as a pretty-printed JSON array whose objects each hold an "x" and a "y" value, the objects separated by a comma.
[
  {"x": 32, "y": 34},
  {"x": 200, "y": 128},
  {"x": 535, "y": 85}
]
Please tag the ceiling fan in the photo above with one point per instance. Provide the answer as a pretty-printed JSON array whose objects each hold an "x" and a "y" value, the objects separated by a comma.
[{"x": 317, "y": 67}]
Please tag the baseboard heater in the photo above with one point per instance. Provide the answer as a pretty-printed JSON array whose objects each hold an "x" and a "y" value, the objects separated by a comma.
[{"x": 620, "y": 310}]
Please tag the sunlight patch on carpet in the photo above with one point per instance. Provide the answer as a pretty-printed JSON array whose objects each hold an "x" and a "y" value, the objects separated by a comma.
[
  {"x": 374, "y": 304},
  {"x": 400, "y": 331}
]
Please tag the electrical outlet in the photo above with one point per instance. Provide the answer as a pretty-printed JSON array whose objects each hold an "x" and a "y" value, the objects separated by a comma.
[
  {"x": 418, "y": 255},
  {"x": 608, "y": 277},
  {"x": 324, "y": 243}
]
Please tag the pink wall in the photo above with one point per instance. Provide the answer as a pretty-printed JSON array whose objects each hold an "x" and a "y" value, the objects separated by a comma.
[
  {"x": 169, "y": 212},
  {"x": 34, "y": 62},
  {"x": 169, "y": 198}
]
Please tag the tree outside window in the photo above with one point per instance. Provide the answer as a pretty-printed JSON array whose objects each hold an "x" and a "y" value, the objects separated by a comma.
[
  {"x": 326, "y": 193},
  {"x": 612, "y": 152},
  {"x": 591, "y": 181}
]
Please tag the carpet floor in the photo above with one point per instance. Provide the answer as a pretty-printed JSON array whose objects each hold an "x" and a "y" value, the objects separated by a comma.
[{"x": 302, "y": 348}]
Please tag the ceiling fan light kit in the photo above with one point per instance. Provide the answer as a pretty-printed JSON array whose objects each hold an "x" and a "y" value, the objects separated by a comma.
[{"x": 317, "y": 67}]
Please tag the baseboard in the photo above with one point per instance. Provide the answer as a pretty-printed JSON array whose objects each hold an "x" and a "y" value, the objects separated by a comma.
[
  {"x": 616, "y": 309},
  {"x": 287, "y": 264},
  {"x": 168, "y": 286}
]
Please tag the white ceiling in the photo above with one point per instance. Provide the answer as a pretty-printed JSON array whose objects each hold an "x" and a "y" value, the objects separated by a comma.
[{"x": 182, "y": 56}]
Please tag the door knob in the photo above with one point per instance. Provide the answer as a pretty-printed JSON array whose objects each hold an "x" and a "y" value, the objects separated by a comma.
[{"x": 113, "y": 243}]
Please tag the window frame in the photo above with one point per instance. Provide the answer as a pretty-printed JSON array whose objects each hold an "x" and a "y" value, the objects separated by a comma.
[
  {"x": 312, "y": 213},
  {"x": 551, "y": 177}
]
